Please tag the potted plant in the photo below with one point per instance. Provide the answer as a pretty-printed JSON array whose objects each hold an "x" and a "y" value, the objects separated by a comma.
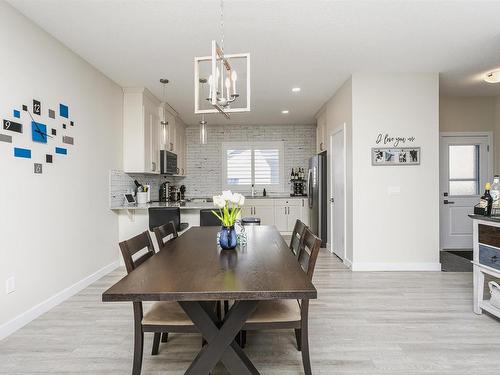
[{"x": 229, "y": 208}]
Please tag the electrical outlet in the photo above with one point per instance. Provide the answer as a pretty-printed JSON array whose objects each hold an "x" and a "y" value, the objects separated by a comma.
[{"x": 10, "y": 285}]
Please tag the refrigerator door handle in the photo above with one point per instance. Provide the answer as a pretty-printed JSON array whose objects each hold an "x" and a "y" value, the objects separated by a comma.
[{"x": 309, "y": 185}]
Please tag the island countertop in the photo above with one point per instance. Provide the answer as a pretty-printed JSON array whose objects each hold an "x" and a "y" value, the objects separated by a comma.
[
  {"x": 493, "y": 219},
  {"x": 196, "y": 204}
]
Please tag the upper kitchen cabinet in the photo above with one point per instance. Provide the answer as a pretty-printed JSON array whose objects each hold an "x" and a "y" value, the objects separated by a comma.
[
  {"x": 141, "y": 131},
  {"x": 180, "y": 147},
  {"x": 169, "y": 128},
  {"x": 321, "y": 136}
]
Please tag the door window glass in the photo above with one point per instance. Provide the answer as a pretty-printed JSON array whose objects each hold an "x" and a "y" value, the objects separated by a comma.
[{"x": 463, "y": 169}]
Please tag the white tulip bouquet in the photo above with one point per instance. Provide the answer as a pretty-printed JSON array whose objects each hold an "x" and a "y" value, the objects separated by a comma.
[{"x": 229, "y": 205}]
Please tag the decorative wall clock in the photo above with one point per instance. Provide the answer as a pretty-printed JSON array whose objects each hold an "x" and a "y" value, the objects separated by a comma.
[{"x": 25, "y": 125}]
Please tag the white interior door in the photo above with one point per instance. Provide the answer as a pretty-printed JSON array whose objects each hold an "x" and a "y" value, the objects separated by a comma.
[
  {"x": 464, "y": 169},
  {"x": 337, "y": 193}
]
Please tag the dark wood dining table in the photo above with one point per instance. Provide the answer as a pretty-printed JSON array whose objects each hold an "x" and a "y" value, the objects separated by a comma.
[{"x": 193, "y": 270}]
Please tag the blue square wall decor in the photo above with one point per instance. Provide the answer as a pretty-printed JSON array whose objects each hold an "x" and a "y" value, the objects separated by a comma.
[
  {"x": 38, "y": 132},
  {"x": 63, "y": 111},
  {"x": 62, "y": 151},
  {"x": 17, "y": 114},
  {"x": 22, "y": 153}
]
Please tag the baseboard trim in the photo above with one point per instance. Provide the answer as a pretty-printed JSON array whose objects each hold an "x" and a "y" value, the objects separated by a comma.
[
  {"x": 21, "y": 320},
  {"x": 357, "y": 266},
  {"x": 348, "y": 263}
]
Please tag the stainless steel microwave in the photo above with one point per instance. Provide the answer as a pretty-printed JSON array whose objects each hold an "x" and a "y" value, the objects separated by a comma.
[{"x": 168, "y": 163}]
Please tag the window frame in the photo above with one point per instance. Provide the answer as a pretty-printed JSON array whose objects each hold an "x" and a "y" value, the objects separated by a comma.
[{"x": 262, "y": 145}]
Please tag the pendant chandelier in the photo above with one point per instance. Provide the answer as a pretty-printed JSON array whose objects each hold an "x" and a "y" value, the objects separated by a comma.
[
  {"x": 223, "y": 95},
  {"x": 164, "y": 123},
  {"x": 203, "y": 130}
]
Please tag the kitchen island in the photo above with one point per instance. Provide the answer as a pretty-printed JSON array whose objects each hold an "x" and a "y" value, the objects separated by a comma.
[
  {"x": 486, "y": 239},
  {"x": 279, "y": 210}
]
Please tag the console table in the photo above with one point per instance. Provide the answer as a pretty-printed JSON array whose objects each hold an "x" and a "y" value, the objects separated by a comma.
[{"x": 486, "y": 236}]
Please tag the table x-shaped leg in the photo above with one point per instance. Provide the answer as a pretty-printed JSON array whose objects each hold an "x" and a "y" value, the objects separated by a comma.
[{"x": 221, "y": 344}]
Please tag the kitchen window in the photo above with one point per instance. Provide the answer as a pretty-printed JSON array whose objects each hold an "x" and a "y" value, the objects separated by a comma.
[{"x": 258, "y": 163}]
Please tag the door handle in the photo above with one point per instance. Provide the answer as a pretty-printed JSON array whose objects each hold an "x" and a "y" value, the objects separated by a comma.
[
  {"x": 332, "y": 200},
  {"x": 446, "y": 201}
]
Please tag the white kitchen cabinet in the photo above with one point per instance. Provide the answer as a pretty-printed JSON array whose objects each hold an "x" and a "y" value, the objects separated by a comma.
[
  {"x": 141, "y": 131},
  {"x": 304, "y": 212},
  {"x": 169, "y": 128},
  {"x": 261, "y": 208},
  {"x": 180, "y": 147},
  {"x": 321, "y": 133},
  {"x": 286, "y": 213}
]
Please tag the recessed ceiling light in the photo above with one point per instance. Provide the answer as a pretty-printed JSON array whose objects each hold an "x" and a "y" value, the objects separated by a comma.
[
  {"x": 285, "y": 111},
  {"x": 296, "y": 89},
  {"x": 492, "y": 77}
]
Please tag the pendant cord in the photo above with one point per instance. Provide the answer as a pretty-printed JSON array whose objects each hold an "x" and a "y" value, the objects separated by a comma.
[{"x": 222, "y": 24}]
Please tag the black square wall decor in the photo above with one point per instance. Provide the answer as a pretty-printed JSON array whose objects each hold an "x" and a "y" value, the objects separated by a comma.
[
  {"x": 48, "y": 158},
  {"x": 25, "y": 107},
  {"x": 37, "y": 107},
  {"x": 54, "y": 132}
]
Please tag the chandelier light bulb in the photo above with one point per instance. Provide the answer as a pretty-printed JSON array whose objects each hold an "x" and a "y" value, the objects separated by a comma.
[{"x": 228, "y": 86}]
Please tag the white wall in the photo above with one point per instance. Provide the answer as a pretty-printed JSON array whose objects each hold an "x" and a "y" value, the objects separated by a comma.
[
  {"x": 56, "y": 228},
  {"x": 396, "y": 232},
  {"x": 338, "y": 113},
  {"x": 466, "y": 114},
  {"x": 496, "y": 136}
]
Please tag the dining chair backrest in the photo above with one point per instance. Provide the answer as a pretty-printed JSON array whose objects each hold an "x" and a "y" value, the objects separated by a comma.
[
  {"x": 134, "y": 245},
  {"x": 297, "y": 237},
  {"x": 164, "y": 231},
  {"x": 308, "y": 252}
]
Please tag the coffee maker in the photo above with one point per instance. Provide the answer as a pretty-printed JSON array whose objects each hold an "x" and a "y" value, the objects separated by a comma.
[{"x": 164, "y": 191}]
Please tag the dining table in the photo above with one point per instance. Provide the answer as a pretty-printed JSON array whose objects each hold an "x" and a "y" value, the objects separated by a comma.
[{"x": 194, "y": 271}]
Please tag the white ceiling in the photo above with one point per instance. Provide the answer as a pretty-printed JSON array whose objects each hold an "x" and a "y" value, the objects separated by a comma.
[{"x": 316, "y": 45}]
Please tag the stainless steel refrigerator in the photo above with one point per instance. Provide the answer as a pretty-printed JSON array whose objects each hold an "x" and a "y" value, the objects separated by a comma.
[{"x": 317, "y": 196}]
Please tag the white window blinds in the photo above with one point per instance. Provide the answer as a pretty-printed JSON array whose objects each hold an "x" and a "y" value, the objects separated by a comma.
[{"x": 247, "y": 163}]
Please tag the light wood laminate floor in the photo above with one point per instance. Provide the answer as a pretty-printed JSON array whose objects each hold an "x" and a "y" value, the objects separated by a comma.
[{"x": 363, "y": 323}]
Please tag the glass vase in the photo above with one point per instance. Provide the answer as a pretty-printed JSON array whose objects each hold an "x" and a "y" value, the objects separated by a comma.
[{"x": 227, "y": 238}]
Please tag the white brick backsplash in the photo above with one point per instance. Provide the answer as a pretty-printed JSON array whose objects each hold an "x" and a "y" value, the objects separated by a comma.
[
  {"x": 121, "y": 183},
  {"x": 204, "y": 162}
]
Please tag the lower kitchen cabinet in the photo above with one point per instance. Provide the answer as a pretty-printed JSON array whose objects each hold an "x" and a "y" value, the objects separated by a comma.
[
  {"x": 282, "y": 213},
  {"x": 286, "y": 213},
  {"x": 261, "y": 208}
]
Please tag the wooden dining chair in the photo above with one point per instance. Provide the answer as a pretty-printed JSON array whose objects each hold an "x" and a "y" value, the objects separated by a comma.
[
  {"x": 289, "y": 314},
  {"x": 162, "y": 317},
  {"x": 297, "y": 237},
  {"x": 163, "y": 231}
]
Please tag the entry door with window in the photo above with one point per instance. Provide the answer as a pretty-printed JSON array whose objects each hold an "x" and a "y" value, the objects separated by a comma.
[{"x": 464, "y": 170}]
